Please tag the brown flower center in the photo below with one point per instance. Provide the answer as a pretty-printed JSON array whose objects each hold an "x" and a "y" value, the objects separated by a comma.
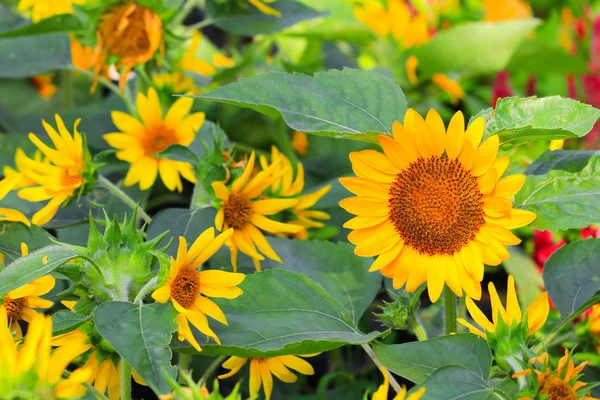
[
  {"x": 15, "y": 308},
  {"x": 237, "y": 210},
  {"x": 436, "y": 206},
  {"x": 123, "y": 30},
  {"x": 557, "y": 389},
  {"x": 71, "y": 177},
  {"x": 157, "y": 138},
  {"x": 185, "y": 287}
]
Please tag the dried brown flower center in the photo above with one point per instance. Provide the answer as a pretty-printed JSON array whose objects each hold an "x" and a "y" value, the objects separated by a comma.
[
  {"x": 157, "y": 138},
  {"x": 123, "y": 29},
  {"x": 185, "y": 287},
  {"x": 436, "y": 206},
  {"x": 237, "y": 210},
  {"x": 557, "y": 389},
  {"x": 14, "y": 308}
]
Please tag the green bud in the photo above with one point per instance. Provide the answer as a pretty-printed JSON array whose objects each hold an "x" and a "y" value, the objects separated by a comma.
[{"x": 400, "y": 313}]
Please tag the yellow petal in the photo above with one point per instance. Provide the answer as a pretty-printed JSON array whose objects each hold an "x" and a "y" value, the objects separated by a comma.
[
  {"x": 455, "y": 135},
  {"x": 485, "y": 155}
]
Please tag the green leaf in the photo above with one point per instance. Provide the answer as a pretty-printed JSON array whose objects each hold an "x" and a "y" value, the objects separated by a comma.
[
  {"x": 416, "y": 361},
  {"x": 244, "y": 19},
  {"x": 66, "y": 321},
  {"x": 347, "y": 104},
  {"x": 571, "y": 275},
  {"x": 181, "y": 222},
  {"x": 466, "y": 47},
  {"x": 562, "y": 188},
  {"x": 282, "y": 312},
  {"x": 178, "y": 152},
  {"x": 32, "y": 266},
  {"x": 12, "y": 234},
  {"x": 26, "y": 56},
  {"x": 54, "y": 24},
  {"x": 454, "y": 382},
  {"x": 524, "y": 119},
  {"x": 9, "y": 20},
  {"x": 532, "y": 57},
  {"x": 527, "y": 277},
  {"x": 141, "y": 335}
]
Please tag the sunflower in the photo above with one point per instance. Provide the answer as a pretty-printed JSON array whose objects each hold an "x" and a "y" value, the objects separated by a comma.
[
  {"x": 189, "y": 289},
  {"x": 382, "y": 391},
  {"x": 432, "y": 207},
  {"x": 130, "y": 32},
  {"x": 560, "y": 384},
  {"x": 105, "y": 374},
  {"x": 201, "y": 67},
  {"x": 264, "y": 8},
  {"x": 243, "y": 210},
  {"x": 174, "y": 82},
  {"x": 139, "y": 142},
  {"x": 504, "y": 10},
  {"x": 288, "y": 186},
  {"x": 64, "y": 176},
  {"x": 19, "y": 304},
  {"x": 12, "y": 215},
  {"x": 42, "y": 9},
  {"x": 34, "y": 360},
  {"x": 262, "y": 369},
  {"x": 15, "y": 178},
  {"x": 536, "y": 314}
]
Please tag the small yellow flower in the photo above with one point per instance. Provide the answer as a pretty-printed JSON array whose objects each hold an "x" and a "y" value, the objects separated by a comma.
[
  {"x": 449, "y": 86},
  {"x": 594, "y": 324},
  {"x": 189, "y": 289},
  {"x": 536, "y": 313},
  {"x": 300, "y": 143},
  {"x": 129, "y": 31},
  {"x": 140, "y": 141},
  {"x": 62, "y": 177},
  {"x": 382, "y": 392},
  {"x": 201, "y": 67},
  {"x": 264, "y": 8},
  {"x": 17, "y": 362},
  {"x": 433, "y": 207},
  {"x": 174, "y": 82},
  {"x": 289, "y": 187},
  {"x": 504, "y": 10},
  {"x": 19, "y": 304},
  {"x": 42, "y": 9},
  {"x": 243, "y": 209},
  {"x": 262, "y": 369},
  {"x": 104, "y": 375},
  {"x": 556, "y": 144},
  {"x": 560, "y": 384}
]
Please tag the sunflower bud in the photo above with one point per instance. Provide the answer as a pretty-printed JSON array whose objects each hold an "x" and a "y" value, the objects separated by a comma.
[
  {"x": 400, "y": 313},
  {"x": 120, "y": 261}
]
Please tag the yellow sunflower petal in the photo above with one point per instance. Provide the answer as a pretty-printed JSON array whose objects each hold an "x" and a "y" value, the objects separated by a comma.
[
  {"x": 485, "y": 155},
  {"x": 455, "y": 135}
]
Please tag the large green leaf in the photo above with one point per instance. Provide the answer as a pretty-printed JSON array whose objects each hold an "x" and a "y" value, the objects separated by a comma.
[
  {"x": 416, "y": 361},
  {"x": 466, "y": 48},
  {"x": 141, "y": 335},
  {"x": 562, "y": 188},
  {"x": 282, "y": 312},
  {"x": 532, "y": 56},
  {"x": 66, "y": 321},
  {"x": 524, "y": 119},
  {"x": 455, "y": 382},
  {"x": 54, "y": 24},
  {"x": 10, "y": 21},
  {"x": 26, "y": 56},
  {"x": 241, "y": 18},
  {"x": 572, "y": 276},
  {"x": 12, "y": 234},
  {"x": 348, "y": 103},
  {"x": 34, "y": 265}
]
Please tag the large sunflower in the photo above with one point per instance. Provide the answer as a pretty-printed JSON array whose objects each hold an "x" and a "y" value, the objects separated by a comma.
[
  {"x": 139, "y": 141},
  {"x": 432, "y": 206},
  {"x": 189, "y": 290},
  {"x": 536, "y": 314},
  {"x": 243, "y": 209}
]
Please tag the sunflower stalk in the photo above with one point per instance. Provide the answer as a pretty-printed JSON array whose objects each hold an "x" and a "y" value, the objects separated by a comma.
[
  {"x": 123, "y": 197},
  {"x": 373, "y": 357},
  {"x": 449, "y": 311},
  {"x": 139, "y": 298},
  {"x": 125, "y": 376},
  {"x": 212, "y": 368}
]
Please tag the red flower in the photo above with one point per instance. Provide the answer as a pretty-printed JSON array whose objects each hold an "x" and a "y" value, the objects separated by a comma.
[{"x": 544, "y": 246}]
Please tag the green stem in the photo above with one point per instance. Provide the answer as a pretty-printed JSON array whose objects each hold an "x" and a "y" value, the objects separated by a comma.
[
  {"x": 449, "y": 311},
  {"x": 184, "y": 360},
  {"x": 202, "y": 24},
  {"x": 126, "y": 96},
  {"x": 144, "y": 291},
  {"x": 462, "y": 311},
  {"x": 212, "y": 368},
  {"x": 185, "y": 10},
  {"x": 67, "y": 84},
  {"x": 373, "y": 357},
  {"x": 123, "y": 197},
  {"x": 125, "y": 380},
  {"x": 418, "y": 330}
]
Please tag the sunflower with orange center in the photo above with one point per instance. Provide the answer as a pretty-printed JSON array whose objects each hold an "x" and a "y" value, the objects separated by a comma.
[
  {"x": 20, "y": 303},
  {"x": 561, "y": 384},
  {"x": 130, "y": 33},
  {"x": 432, "y": 207},
  {"x": 139, "y": 142},
  {"x": 243, "y": 209},
  {"x": 189, "y": 290}
]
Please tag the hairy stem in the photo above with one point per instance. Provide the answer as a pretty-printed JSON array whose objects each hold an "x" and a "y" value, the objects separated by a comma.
[
  {"x": 125, "y": 380},
  {"x": 123, "y": 197}
]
